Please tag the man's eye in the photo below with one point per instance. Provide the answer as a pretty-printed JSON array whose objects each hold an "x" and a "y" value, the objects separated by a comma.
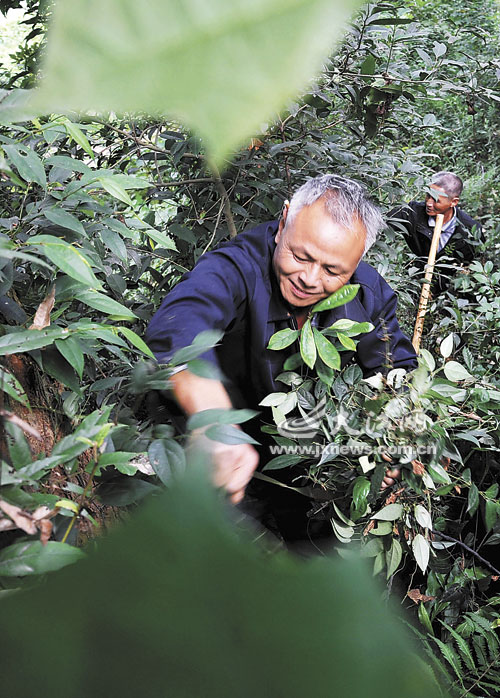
[
  {"x": 299, "y": 259},
  {"x": 330, "y": 272}
]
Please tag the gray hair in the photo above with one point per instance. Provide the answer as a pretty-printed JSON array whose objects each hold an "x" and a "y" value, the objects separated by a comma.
[
  {"x": 344, "y": 199},
  {"x": 449, "y": 182}
]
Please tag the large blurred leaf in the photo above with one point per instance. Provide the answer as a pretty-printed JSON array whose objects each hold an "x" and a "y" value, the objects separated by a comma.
[
  {"x": 158, "y": 56},
  {"x": 181, "y": 606}
]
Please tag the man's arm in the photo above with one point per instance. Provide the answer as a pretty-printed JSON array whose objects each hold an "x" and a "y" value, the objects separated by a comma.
[
  {"x": 233, "y": 465},
  {"x": 403, "y": 220},
  {"x": 211, "y": 296}
]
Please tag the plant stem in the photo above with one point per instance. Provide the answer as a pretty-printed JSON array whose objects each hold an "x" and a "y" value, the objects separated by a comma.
[{"x": 84, "y": 494}]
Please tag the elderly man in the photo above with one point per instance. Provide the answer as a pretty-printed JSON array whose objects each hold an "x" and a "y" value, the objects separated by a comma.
[
  {"x": 417, "y": 220},
  {"x": 265, "y": 280}
]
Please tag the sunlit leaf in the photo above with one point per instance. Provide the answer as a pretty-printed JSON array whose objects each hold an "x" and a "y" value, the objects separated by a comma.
[
  {"x": 456, "y": 372},
  {"x": 115, "y": 189},
  {"x": 421, "y": 549},
  {"x": 308, "y": 345},
  {"x": 27, "y": 163},
  {"x": 282, "y": 339},
  {"x": 340, "y": 297},
  {"x": 104, "y": 303},
  {"x": 389, "y": 513},
  {"x": 326, "y": 350},
  {"x": 446, "y": 346}
]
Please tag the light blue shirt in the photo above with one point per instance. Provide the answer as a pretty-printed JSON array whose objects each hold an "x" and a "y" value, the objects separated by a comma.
[{"x": 446, "y": 232}]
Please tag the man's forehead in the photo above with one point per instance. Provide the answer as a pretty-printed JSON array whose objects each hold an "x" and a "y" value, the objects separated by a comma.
[{"x": 434, "y": 190}]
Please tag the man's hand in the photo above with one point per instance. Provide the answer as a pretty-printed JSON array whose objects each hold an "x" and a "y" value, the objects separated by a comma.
[
  {"x": 233, "y": 466},
  {"x": 391, "y": 476}
]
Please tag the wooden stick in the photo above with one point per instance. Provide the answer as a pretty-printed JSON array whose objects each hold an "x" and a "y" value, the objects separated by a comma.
[{"x": 426, "y": 288}]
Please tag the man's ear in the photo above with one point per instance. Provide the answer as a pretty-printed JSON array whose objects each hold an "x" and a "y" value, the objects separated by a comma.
[
  {"x": 283, "y": 218},
  {"x": 454, "y": 201}
]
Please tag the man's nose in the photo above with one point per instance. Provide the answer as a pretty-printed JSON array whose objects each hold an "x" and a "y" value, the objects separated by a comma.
[{"x": 309, "y": 276}]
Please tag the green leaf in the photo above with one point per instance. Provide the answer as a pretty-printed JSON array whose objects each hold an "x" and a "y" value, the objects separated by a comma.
[
  {"x": 67, "y": 258},
  {"x": 161, "y": 239},
  {"x": 346, "y": 341},
  {"x": 136, "y": 341},
  {"x": 438, "y": 473},
  {"x": 472, "y": 499},
  {"x": 423, "y": 517},
  {"x": 10, "y": 385},
  {"x": 273, "y": 399},
  {"x": 115, "y": 189},
  {"x": 29, "y": 558},
  {"x": 446, "y": 346},
  {"x": 328, "y": 354},
  {"x": 423, "y": 617},
  {"x": 167, "y": 459},
  {"x": 349, "y": 327},
  {"x": 393, "y": 557},
  {"x": 71, "y": 349},
  {"x": 219, "y": 416},
  {"x": 104, "y": 303},
  {"x": 491, "y": 513},
  {"x": 384, "y": 528},
  {"x": 119, "y": 460},
  {"x": 428, "y": 359},
  {"x": 360, "y": 492},
  {"x": 59, "y": 368},
  {"x": 231, "y": 91},
  {"x": 172, "y": 581},
  {"x": 341, "y": 297},
  {"x": 63, "y": 218},
  {"x": 307, "y": 344},
  {"x": 456, "y": 372},
  {"x": 27, "y": 163},
  {"x": 114, "y": 242},
  {"x": 201, "y": 343},
  {"x": 227, "y": 434},
  {"x": 283, "y": 461},
  {"x": 282, "y": 339},
  {"x": 389, "y": 513},
  {"x": 421, "y": 550},
  {"x": 325, "y": 373},
  {"x": 67, "y": 163},
  {"x": 76, "y": 133},
  {"x": 28, "y": 340}
]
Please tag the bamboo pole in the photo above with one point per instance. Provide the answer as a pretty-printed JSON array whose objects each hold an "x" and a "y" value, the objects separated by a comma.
[{"x": 426, "y": 287}]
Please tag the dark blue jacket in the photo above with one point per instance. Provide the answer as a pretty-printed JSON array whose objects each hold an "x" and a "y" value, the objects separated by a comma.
[{"x": 233, "y": 288}]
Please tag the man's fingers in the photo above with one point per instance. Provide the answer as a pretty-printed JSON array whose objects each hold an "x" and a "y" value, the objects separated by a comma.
[{"x": 391, "y": 476}]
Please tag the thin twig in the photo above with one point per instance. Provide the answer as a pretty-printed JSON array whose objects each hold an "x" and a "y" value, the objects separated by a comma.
[
  {"x": 227, "y": 204},
  {"x": 470, "y": 550},
  {"x": 181, "y": 182}
]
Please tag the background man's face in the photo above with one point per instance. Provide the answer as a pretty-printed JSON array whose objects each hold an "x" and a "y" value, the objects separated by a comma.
[
  {"x": 315, "y": 256},
  {"x": 444, "y": 203}
]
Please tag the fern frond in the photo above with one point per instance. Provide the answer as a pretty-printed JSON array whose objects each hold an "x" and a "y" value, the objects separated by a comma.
[
  {"x": 463, "y": 647},
  {"x": 451, "y": 657}
]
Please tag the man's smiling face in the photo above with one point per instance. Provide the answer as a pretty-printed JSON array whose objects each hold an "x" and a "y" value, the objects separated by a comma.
[
  {"x": 315, "y": 256},
  {"x": 441, "y": 204}
]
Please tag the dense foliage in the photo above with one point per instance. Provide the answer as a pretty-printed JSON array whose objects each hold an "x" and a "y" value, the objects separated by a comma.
[{"x": 101, "y": 216}]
